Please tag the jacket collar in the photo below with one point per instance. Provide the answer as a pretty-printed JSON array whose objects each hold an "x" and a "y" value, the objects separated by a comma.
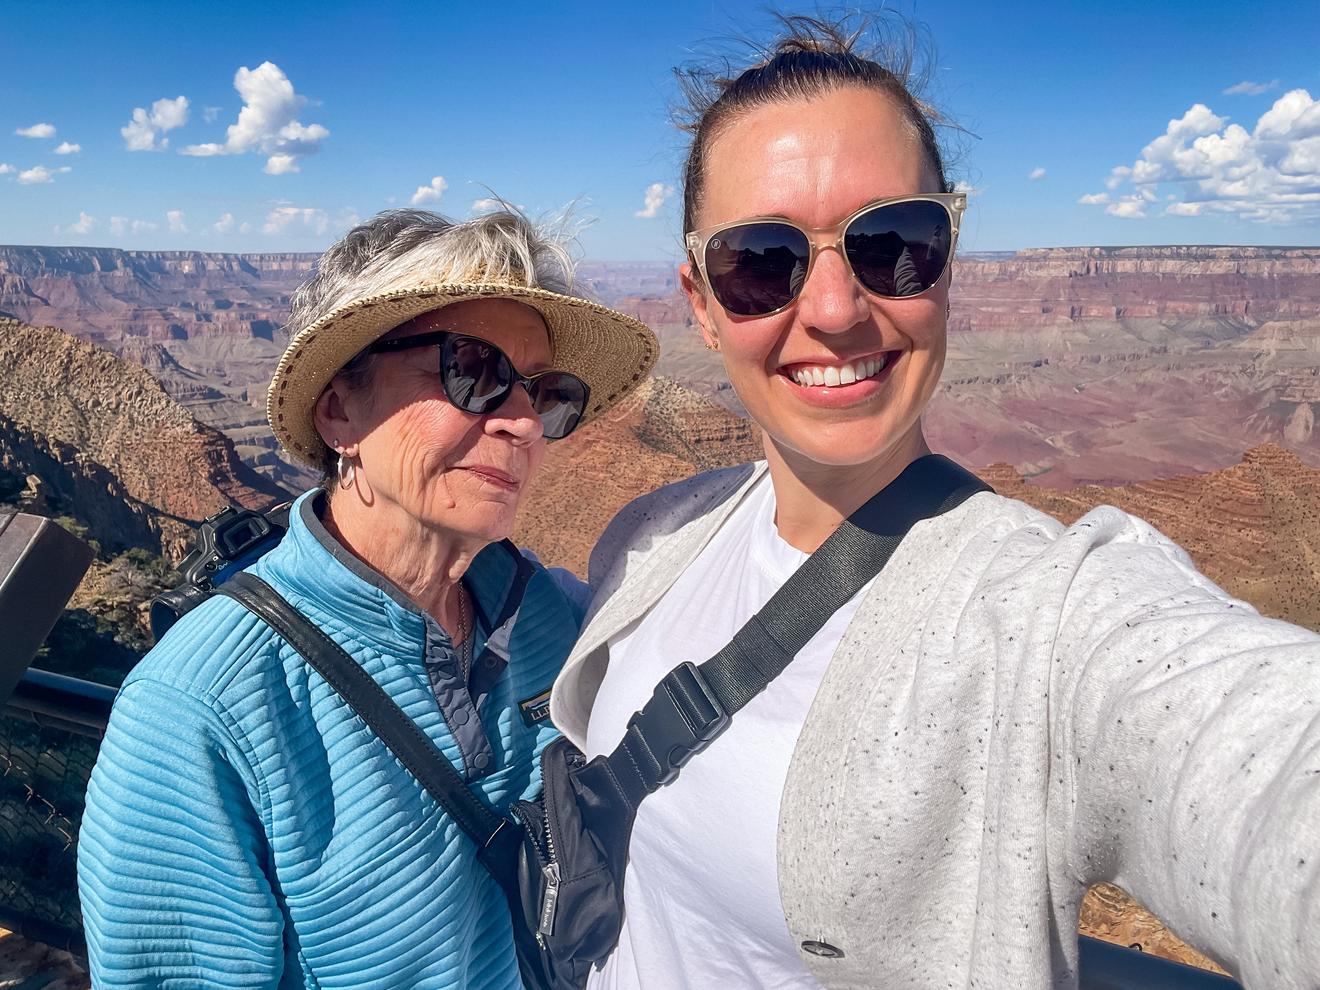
[
  {"x": 319, "y": 570},
  {"x": 677, "y": 533}
]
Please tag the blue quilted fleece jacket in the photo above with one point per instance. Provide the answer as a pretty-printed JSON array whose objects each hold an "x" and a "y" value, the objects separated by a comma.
[{"x": 245, "y": 829}]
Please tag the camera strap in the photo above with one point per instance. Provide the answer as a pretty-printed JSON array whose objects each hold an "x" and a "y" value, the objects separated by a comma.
[{"x": 377, "y": 709}]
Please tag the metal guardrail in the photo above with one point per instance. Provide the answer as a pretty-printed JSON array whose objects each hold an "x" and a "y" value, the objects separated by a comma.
[
  {"x": 55, "y": 701},
  {"x": 50, "y": 732},
  {"x": 40, "y": 566},
  {"x": 1106, "y": 966}
]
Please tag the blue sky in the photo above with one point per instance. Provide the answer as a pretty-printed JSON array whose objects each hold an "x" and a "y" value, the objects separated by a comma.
[{"x": 348, "y": 109}]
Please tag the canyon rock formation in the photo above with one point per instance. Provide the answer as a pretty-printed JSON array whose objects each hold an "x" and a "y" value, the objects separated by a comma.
[
  {"x": 660, "y": 433},
  {"x": 1076, "y": 365},
  {"x": 84, "y": 427}
]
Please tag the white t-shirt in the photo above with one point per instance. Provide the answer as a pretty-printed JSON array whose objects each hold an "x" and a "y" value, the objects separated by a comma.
[{"x": 701, "y": 895}]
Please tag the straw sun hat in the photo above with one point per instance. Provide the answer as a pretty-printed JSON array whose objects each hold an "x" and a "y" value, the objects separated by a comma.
[{"x": 607, "y": 350}]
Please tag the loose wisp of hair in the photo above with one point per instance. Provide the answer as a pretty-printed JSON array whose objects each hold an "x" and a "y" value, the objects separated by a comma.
[{"x": 807, "y": 57}]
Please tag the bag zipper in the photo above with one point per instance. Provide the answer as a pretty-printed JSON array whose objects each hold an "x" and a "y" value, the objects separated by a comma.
[
  {"x": 549, "y": 900},
  {"x": 545, "y": 852}
]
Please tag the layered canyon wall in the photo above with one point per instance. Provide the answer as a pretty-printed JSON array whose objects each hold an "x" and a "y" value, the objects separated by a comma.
[
  {"x": 84, "y": 428},
  {"x": 1076, "y": 365},
  {"x": 106, "y": 295}
]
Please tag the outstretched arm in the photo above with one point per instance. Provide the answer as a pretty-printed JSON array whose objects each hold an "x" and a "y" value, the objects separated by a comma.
[{"x": 1192, "y": 734}]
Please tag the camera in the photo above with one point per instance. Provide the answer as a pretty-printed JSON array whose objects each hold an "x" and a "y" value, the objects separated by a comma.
[{"x": 227, "y": 542}]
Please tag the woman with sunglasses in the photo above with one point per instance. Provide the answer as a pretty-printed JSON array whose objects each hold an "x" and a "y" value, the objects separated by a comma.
[
  {"x": 1009, "y": 712},
  {"x": 243, "y": 827}
]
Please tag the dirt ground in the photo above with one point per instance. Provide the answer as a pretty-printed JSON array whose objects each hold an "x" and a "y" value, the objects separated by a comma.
[
  {"x": 1107, "y": 913},
  {"x": 28, "y": 965}
]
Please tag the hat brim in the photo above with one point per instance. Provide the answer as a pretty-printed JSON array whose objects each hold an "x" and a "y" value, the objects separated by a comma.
[{"x": 609, "y": 351}]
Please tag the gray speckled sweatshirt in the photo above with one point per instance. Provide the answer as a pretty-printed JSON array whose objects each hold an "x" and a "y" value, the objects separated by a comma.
[{"x": 1017, "y": 711}]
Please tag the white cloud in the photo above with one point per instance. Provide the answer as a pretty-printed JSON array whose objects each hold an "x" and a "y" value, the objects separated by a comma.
[
  {"x": 225, "y": 224},
  {"x": 84, "y": 225},
  {"x": 431, "y": 193},
  {"x": 1037, "y": 174},
  {"x": 35, "y": 175},
  {"x": 177, "y": 225},
  {"x": 6, "y": 169},
  {"x": 144, "y": 132},
  {"x": 281, "y": 165},
  {"x": 121, "y": 226},
  {"x": 1117, "y": 176},
  {"x": 1269, "y": 173},
  {"x": 967, "y": 189},
  {"x": 67, "y": 148},
  {"x": 244, "y": 227},
  {"x": 37, "y": 131},
  {"x": 1094, "y": 199},
  {"x": 209, "y": 114},
  {"x": 267, "y": 124},
  {"x": 1129, "y": 208},
  {"x": 296, "y": 220},
  {"x": 654, "y": 198},
  {"x": 1249, "y": 88}
]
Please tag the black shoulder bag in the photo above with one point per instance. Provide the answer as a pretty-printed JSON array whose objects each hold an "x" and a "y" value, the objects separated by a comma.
[{"x": 561, "y": 859}]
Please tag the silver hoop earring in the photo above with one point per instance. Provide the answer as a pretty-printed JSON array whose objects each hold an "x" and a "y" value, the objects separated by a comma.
[{"x": 346, "y": 471}]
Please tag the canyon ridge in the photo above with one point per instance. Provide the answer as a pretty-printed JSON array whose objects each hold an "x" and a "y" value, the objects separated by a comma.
[{"x": 1074, "y": 365}]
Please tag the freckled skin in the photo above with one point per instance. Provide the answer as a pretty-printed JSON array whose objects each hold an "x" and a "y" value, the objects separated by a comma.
[
  {"x": 815, "y": 162},
  {"x": 418, "y": 450}
]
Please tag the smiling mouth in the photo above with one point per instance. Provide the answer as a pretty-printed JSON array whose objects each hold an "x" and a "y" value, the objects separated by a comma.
[
  {"x": 495, "y": 477},
  {"x": 835, "y": 375}
]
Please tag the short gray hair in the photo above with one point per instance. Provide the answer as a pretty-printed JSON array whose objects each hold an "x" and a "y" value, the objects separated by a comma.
[{"x": 399, "y": 249}]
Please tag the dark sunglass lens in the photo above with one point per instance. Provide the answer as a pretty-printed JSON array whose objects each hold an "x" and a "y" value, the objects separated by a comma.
[
  {"x": 900, "y": 249},
  {"x": 757, "y": 268},
  {"x": 559, "y": 399},
  {"x": 476, "y": 375}
]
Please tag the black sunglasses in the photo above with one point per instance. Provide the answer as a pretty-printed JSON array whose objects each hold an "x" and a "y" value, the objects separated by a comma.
[
  {"x": 477, "y": 377},
  {"x": 896, "y": 248}
]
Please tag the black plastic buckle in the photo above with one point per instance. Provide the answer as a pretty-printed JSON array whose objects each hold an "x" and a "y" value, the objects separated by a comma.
[{"x": 682, "y": 718}]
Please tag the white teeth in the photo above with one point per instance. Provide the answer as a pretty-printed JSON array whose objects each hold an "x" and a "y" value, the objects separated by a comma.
[{"x": 833, "y": 375}]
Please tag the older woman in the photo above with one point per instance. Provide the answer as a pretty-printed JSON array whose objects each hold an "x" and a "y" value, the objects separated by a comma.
[
  {"x": 1009, "y": 712},
  {"x": 244, "y": 828}
]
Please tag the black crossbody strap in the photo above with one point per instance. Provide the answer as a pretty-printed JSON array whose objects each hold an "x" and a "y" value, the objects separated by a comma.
[
  {"x": 693, "y": 704},
  {"x": 362, "y": 694},
  {"x": 855, "y": 553}
]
